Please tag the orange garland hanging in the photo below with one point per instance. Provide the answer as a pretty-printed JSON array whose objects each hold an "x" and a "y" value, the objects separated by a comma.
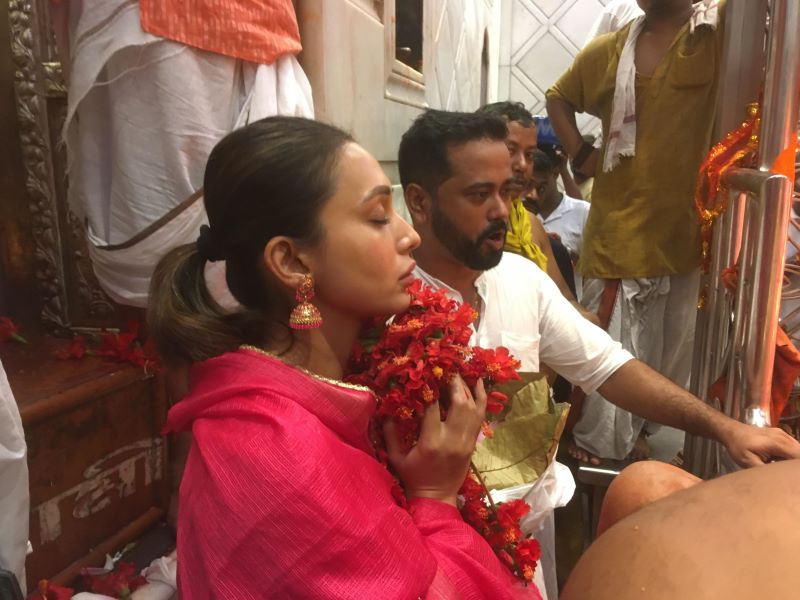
[{"x": 737, "y": 149}]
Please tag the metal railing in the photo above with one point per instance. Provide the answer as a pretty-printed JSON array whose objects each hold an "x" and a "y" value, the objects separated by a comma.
[{"x": 739, "y": 331}]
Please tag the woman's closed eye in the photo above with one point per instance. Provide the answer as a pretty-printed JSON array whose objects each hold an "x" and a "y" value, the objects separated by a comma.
[{"x": 380, "y": 216}]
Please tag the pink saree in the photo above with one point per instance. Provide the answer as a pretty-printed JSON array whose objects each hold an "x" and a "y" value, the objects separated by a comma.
[{"x": 282, "y": 498}]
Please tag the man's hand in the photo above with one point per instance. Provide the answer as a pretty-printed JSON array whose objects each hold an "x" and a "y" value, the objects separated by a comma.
[{"x": 750, "y": 446}]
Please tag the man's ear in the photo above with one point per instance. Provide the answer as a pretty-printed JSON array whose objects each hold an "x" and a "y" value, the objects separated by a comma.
[
  {"x": 285, "y": 261},
  {"x": 419, "y": 203}
]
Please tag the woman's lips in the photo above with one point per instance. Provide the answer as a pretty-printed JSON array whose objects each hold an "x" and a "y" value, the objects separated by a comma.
[{"x": 407, "y": 278}]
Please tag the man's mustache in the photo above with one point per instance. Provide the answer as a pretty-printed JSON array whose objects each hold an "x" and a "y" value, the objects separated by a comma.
[{"x": 493, "y": 228}]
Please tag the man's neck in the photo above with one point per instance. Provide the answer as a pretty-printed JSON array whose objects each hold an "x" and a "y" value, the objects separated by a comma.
[
  {"x": 550, "y": 205},
  {"x": 669, "y": 18},
  {"x": 445, "y": 268}
]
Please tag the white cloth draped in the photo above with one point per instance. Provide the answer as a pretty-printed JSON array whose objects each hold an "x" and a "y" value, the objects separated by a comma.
[
  {"x": 143, "y": 114},
  {"x": 654, "y": 320},
  {"x": 14, "y": 495},
  {"x": 621, "y": 140}
]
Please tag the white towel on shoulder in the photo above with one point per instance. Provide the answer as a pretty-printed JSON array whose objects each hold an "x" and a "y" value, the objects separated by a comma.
[{"x": 622, "y": 128}]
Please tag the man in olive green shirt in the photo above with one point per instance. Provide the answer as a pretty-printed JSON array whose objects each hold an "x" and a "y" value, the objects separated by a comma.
[{"x": 661, "y": 71}]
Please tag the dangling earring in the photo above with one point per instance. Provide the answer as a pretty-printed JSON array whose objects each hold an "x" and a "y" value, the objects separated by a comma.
[{"x": 305, "y": 315}]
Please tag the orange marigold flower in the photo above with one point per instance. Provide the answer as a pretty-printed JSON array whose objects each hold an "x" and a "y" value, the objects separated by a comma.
[{"x": 437, "y": 372}]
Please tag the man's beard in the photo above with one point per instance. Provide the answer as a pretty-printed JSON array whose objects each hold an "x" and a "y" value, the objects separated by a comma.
[{"x": 470, "y": 253}]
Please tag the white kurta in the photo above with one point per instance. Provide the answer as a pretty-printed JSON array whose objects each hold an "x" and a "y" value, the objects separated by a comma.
[{"x": 524, "y": 311}]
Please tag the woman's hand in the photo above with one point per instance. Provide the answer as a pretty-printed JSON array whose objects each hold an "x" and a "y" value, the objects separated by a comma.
[{"x": 437, "y": 465}]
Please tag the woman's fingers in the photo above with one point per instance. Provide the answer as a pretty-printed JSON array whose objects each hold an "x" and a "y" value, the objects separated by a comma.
[
  {"x": 480, "y": 399},
  {"x": 465, "y": 416},
  {"x": 392, "y": 443}
]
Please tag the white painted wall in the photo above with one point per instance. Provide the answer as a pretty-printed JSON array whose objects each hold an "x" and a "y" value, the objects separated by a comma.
[
  {"x": 538, "y": 41},
  {"x": 348, "y": 56}
]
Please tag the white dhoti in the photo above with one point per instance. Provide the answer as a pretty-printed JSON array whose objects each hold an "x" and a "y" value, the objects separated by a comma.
[
  {"x": 653, "y": 319},
  {"x": 143, "y": 115},
  {"x": 14, "y": 496}
]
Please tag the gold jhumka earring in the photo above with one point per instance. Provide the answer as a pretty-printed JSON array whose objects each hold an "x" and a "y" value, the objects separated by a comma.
[{"x": 305, "y": 315}]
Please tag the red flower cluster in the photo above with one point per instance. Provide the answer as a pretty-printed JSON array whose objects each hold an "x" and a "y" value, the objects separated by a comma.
[
  {"x": 408, "y": 364},
  {"x": 499, "y": 524},
  {"x": 125, "y": 346},
  {"x": 8, "y": 331},
  {"x": 119, "y": 583}
]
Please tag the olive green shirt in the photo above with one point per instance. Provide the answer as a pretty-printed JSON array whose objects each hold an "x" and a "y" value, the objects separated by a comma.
[{"x": 643, "y": 222}]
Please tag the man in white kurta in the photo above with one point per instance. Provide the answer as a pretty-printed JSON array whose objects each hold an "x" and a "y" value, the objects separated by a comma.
[{"x": 522, "y": 309}]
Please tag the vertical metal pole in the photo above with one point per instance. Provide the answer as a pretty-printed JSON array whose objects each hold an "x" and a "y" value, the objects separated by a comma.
[
  {"x": 739, "y": 82},
  {"x": 778, "y": 136}
]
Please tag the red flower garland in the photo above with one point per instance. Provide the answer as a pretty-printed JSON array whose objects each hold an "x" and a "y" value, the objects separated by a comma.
[{"x": 408, "y": 363}]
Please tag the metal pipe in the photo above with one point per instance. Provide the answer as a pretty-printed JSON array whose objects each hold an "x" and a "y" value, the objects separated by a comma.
[
  {"x": 778, "y": 135},
  {"x": 764, "y": 307},
  {"x": 735, "y": 379},
  {"x": 739, "y": 82}
]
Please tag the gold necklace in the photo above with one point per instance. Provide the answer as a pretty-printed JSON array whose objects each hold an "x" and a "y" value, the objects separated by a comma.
[{"x": 336, "y": 382}]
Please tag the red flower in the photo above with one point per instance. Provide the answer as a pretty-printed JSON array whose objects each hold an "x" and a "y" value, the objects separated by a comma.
[
  {"x": 8, "y": 331},
  {"x": 50, "y": 591},
  {"x": 408, "y": 363},
  {"x": 510, "y": 513},
  {"x": 77, "y": 349},
  {"x": 119, "y": 583},
  {"x": 495, "y": 402},
  {"x": 126, "y": 346}
]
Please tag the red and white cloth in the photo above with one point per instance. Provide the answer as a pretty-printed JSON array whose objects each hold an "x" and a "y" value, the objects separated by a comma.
[{"x": 145, "y": 111}]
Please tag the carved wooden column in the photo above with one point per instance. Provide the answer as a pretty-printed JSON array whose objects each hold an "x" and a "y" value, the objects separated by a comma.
[{"x": 71, "y": 297}]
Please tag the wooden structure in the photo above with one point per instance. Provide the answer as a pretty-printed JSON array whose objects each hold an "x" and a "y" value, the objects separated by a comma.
[{"x": 97, "y": 461}]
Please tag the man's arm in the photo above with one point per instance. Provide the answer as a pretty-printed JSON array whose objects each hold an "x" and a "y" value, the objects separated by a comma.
[
  {"x": 571, "y": 188},
  {"x": 539, "y": 236},
  {"x": 641, "y": 390},
  {"x": 562, "y": 119}
]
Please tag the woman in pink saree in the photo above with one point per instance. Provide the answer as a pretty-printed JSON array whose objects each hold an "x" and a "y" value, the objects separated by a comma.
[{"x": 282, "y": 496}]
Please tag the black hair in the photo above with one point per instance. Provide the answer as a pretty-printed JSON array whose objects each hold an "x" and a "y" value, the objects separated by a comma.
[
  {"x": 544, "y": 162},
  {"x": 423, "y": 156},
  {"x": 269, "y": 178},
  {"x": 512, "y": 111}
]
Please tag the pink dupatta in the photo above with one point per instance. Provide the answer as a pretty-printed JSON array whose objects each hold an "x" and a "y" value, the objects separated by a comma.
[{"x": 282, "y": 498}]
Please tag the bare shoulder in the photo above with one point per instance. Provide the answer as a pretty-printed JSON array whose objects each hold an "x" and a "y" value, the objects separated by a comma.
[{"x": 733, "y": 537}]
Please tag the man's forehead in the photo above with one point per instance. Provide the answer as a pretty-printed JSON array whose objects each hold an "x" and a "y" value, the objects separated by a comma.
[
  {"x": 468, "y": 158},
  {"x": 522, "y": 134}
]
